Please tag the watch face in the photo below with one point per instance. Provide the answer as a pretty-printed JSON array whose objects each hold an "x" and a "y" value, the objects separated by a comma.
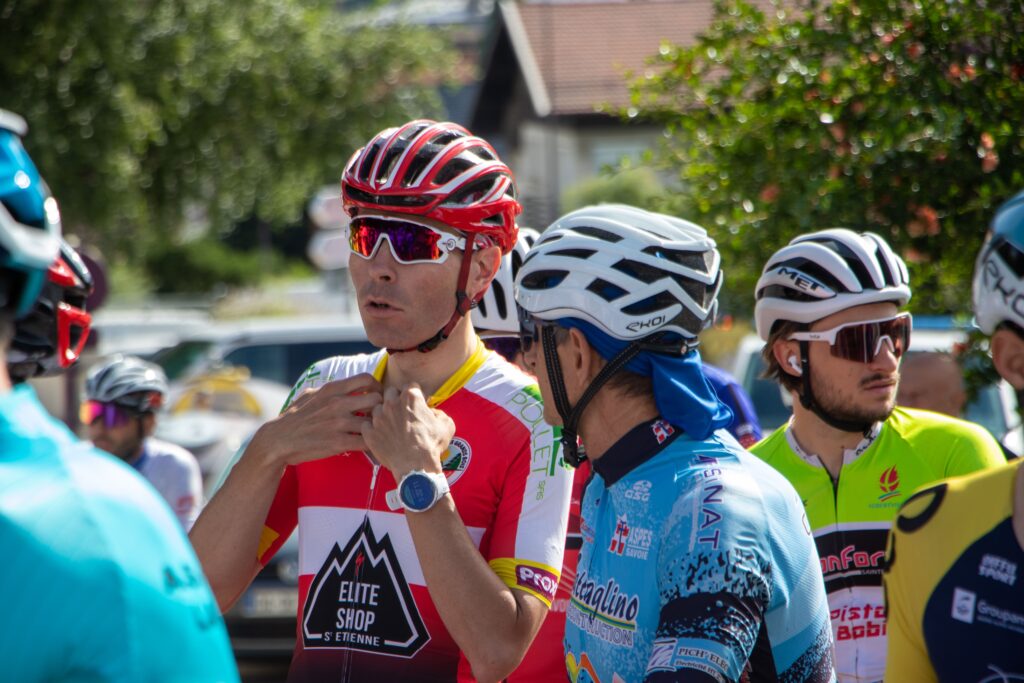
[{"x": 417, "y": 492}]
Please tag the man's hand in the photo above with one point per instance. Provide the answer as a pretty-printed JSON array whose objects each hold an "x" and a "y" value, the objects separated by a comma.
[
  {"x": 320, "y": 422},
  {"x": 406, "y": 434}
]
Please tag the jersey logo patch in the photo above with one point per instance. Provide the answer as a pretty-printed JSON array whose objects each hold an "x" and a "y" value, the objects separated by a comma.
[
  {"x": 360, "y": 600},
  {"x": 889, "y": 482},
  {"x": 456, "y": 459}
]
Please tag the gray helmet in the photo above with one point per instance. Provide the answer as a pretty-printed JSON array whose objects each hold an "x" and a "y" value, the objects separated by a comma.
[{"x": 129, "y": 382}]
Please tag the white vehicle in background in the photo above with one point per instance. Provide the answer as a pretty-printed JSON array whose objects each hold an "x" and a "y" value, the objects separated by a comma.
[
  {"x": 995, "y": 406},
  {"x": 273, "y": 349}
]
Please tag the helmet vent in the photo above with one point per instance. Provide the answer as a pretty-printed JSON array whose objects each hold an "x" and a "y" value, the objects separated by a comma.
[
  {"x": 574, "y": 253},
  {"x": 700, "y": 262},
  {"x": 453, "y": 169},
  {"x": 544, "y": 279},
  {"x": 852, "y": 260},
  {"x": 598, "y": 233},
  {"x": 499, "y": 299},
  {"x": 1011, "y": 255},
  {"x": 606, "y": 290},
  {"x": 658, "y": 302},
  {"x": 371, "y": 156}
]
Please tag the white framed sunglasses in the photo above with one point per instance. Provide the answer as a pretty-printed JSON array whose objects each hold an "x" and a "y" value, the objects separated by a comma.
[
  {"x": 410, "y": 242},
  {"x": 861, "y": 341}
]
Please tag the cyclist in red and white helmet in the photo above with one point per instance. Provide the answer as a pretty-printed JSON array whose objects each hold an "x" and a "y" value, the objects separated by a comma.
[
  {"x": 442, "y": 515},
  {"x": 50, "y": 338}
]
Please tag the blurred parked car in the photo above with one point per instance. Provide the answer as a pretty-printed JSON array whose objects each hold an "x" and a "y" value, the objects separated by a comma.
[
  {"x": 274, "y": 349},
  {"x": 995, "y": 406}
]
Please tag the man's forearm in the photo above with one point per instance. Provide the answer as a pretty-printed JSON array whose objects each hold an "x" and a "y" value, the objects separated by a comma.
[
  {"x": 492, "y": 623},
  {"x": 227, "y": 534}
]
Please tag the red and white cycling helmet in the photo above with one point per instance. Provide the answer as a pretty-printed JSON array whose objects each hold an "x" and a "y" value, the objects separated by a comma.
[
  {"x": 435, "y": 170},
  {"x": 50, "y": 338}
]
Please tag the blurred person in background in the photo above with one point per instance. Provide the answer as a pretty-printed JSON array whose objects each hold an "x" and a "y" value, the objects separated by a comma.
[
  {"x": 495, "y": 317},
  {"x": 93, "y": 553},
  {"x": 932, "y": 380},
  {"x": 697, "y": 562},
  {"x": 828, "y": 307},
  {"x": 50, "y": 338},
  {"x": 430, "y": 499},
  {"x": 956, "y": 553},
  {"x": 123, "y": 396}
]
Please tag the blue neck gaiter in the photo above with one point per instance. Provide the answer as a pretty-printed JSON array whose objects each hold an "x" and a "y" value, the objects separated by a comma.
[{"x": 681, "y": 391}]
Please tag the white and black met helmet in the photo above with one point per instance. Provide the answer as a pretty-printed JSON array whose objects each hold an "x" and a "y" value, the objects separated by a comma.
[
  {"x": 129, "y": 382},
  {"x": 495, "y": 314},
  {"x": 825, "y": 272},
  {"x": 632, "y": 273}
]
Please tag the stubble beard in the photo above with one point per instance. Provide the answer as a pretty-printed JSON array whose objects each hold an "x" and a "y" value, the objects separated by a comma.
[{"x": 842, "y": 408}]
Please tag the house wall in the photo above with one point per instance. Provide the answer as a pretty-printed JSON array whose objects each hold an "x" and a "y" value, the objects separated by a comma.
[{"x": 555, "y": 154}]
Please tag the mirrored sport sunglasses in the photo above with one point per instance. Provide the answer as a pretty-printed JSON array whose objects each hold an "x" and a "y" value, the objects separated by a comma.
[
  {"x": 113, "y": 415},
  {"x": 410, "y": 242},
  {"x": 862, "y": 341}
]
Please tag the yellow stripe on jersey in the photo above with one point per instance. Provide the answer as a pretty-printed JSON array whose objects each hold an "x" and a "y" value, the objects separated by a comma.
[
  {"x": 453, "y": 383},
  {"x": 539, "y": 580},
  {"x": 267, "y": 538}
]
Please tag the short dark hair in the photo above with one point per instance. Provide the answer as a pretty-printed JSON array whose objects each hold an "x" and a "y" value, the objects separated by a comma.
[{"x": 772, "y": 369}]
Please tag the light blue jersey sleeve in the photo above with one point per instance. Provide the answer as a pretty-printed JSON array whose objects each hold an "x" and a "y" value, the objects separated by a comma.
[{"x": 100, "y": 583}]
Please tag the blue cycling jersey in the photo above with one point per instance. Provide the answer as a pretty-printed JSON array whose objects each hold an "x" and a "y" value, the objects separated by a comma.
[
  {"x": 697, "y": 562},
  {"x": 99, "y": 582}
]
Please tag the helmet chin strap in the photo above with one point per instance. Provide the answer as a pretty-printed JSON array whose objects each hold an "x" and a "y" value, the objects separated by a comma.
[
  {"x": 572, "y": 451},
  {"x": 462, "y": 304},
  {"x": 808, "y": 401}
]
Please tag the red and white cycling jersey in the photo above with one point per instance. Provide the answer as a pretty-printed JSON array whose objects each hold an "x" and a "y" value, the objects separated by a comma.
[
  {"x": 364, "y": 609},
  {"x": 545, "y": 660}
]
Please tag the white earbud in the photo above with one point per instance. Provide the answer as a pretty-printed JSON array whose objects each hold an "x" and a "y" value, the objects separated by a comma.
[{"x": 795, "y": 365}]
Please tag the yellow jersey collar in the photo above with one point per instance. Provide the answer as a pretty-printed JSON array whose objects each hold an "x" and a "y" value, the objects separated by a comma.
[{"x": 453, "y": 383}]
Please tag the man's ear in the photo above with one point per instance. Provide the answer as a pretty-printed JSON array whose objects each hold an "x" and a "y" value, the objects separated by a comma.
[
  {"x": 785, "y": 350},
  {"x": 486, "y": 262},
  {"x": 1008, "y": 357}
]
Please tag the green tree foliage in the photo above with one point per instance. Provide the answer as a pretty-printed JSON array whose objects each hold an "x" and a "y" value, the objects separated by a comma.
[
  {"x": 899, "y": 117},
  {"x": 636, "y": 186},
  {"x": 149, "y": 116}
]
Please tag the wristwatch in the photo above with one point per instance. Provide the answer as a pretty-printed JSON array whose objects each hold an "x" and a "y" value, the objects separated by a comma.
[{"x": 418, "y": 491}]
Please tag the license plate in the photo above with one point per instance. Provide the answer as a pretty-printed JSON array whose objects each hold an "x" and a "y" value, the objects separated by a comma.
[{"x": 271, "y": 602}]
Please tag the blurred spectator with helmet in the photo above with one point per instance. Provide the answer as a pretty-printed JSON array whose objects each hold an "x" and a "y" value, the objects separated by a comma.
[{"x": 123, "y": 396}]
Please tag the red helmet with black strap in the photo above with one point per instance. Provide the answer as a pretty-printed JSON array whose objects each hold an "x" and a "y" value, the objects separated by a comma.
[{"x": 441, "y": 172}]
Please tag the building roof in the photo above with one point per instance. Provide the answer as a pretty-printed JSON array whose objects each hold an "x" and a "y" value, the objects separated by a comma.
[
  {"x": 579, "y": 52},
  {"x": 574, "y": 55}
]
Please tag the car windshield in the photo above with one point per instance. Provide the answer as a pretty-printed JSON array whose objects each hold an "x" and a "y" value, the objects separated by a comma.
[{"x": 178, "y": 359}]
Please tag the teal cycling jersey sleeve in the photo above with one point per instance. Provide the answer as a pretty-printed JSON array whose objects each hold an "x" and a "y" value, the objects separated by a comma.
[{"x": 100, "y": 582}]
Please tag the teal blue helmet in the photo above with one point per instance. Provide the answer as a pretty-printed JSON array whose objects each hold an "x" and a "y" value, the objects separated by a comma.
[
  {"x": 29, "y": 221},
  {"x": 999, "y": 271}
]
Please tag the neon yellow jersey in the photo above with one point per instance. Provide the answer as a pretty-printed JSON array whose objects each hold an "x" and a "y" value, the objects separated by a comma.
[
  {"x": 851, "y": 517},
  {"x": 953, "y": 582}
]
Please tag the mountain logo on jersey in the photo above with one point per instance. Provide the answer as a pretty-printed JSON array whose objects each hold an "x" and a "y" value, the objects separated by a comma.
[
  {"x": 456, "y": 459},
  {"x": 889, "y": 482},
  {"x": 360, "y": 600}
]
